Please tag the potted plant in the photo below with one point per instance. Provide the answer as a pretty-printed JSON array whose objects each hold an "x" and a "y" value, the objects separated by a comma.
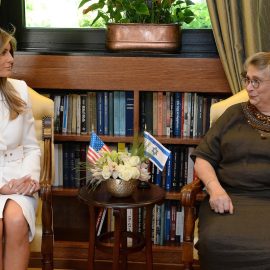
[{"x": 142, "y": 24}]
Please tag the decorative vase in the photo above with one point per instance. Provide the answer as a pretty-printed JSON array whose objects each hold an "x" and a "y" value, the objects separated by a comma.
[
  {"x": 120, "y": 188},
  {"x": 143, "y": 37}
]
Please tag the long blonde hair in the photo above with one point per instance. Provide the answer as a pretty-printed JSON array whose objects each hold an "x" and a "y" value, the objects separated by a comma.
[{"x": 12, "y": 98}]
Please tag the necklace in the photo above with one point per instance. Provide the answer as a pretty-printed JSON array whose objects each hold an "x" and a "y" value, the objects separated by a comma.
[{"x": 256, "y": 119}]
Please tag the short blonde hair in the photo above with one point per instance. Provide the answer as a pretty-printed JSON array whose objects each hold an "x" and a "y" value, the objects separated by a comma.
[{"x": 260, "y": 60}]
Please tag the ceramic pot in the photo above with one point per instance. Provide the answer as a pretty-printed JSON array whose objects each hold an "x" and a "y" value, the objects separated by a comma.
[
  {"x": 120, "y": 188},
  {"x": 143, "y": 37}
]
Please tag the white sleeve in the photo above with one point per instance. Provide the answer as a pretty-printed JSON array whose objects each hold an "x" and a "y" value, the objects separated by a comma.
[{"x": 31, "y": 149}]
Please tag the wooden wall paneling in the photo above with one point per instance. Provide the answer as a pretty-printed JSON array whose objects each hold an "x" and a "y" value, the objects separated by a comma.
[{"x": 121, "y": 73}]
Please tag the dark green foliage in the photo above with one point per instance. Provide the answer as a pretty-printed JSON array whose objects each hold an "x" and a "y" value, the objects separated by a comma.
[{"x": 141, "y": 11}]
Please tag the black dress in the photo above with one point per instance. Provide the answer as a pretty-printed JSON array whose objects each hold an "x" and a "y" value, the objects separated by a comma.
[{"x": 241, "y": 159}]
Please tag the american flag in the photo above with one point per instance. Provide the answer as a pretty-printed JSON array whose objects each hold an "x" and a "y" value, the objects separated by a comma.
[{"x": 96, "y": 144}]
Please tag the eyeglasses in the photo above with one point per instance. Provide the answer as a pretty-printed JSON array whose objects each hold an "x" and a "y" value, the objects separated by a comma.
[{"x": 255, "y": 83}]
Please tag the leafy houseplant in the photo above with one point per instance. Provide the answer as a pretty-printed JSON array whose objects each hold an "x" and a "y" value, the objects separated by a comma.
[
  {"x": 141, "y": 11},
  {"x": 146, "y": 25}
]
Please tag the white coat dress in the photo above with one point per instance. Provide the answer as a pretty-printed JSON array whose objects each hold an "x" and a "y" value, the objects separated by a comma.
[{"x": 19, "y": 153}]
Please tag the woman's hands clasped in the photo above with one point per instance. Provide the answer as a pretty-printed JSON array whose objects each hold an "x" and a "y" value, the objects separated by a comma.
[{"x": 24, "y": 186}]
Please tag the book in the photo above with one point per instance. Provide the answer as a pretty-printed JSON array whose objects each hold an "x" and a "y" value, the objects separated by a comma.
[
  {"x": 169, "y": 171},
  {"x": 78, "y": 115},
  {"x": 100, "y": 113},
  {"x": 129, "y": 113},
  {"x": 122, "y": 113},
  {"x": 106, "y": 113},
  {"x": 177, "y": 114},
  {"x": 69, "y": 120},
  {"x": 84, "y": 119},
  {"x": 116, "y": 112},
  {"x": 74, "y": 114},
  {"x": 111, "y": 116},
  {"x": 100, "y": 220},
  {"x": 160, "y": 113},
  {"x": 148, "y": 96},
  {"x": 179, "y": 229},
  {"x": 65, "y": 114}
]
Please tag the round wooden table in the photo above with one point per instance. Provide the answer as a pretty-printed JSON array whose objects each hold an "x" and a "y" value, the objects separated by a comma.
[{"x": 100, "y": 198}]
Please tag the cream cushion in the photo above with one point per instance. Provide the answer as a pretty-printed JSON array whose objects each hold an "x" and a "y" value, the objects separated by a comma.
[{"x": 218, "y": 108}]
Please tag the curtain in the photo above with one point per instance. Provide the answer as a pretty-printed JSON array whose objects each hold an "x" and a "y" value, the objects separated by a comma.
[{"x": 241, "y": 28}]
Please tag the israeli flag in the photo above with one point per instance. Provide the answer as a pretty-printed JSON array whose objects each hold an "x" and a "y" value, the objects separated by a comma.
[{"x": 155, "y": 151}]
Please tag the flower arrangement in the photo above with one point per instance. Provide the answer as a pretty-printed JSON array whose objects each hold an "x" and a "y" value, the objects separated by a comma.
[{"x": 120, "y": 165}]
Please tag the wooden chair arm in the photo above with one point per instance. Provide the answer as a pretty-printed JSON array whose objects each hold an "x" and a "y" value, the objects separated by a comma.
[
  {"x": 46, "y": 197},
  {"x": 191, "y": 195}
]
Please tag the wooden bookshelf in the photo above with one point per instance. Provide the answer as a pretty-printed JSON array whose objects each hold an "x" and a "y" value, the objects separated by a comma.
[{"x": 64, "y": 73}]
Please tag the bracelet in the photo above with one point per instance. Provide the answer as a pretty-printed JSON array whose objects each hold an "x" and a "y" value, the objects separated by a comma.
[{"x": 207, "y": 184}]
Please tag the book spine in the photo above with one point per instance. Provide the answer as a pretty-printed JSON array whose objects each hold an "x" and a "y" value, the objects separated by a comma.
[
  {"x": 83, "y": 114},
  {"x": 167, "y": 225},
  {"x": 129, "y": 113},
  {"x": 78, "y": 115},
  {"x": 100, "y": 113},
  {"x": 83, "y": 172},
  {"x": 168, "y": 177},
  {"x": 168, "y": 114},
  {"x": 106, "y": 113},
  {"x": 173, "y": 222},
  {"x": 57, "y": 106},
  {"x": 111, "y": 113},
  {"x": 179, "y": 230},
  {"x": 101, "y": 222},
  {"x": 74, "y": 114},
  {"x": 122, "y": 113},
  {"x": 116, "y": 112},
  {"x": 177, "y": 114},
  {"x": 65, "y": 115},
  {"x": 69, "y": 120},
  {"x": 77, "y": 165},
  {"x": 160, "y": 114},
  {"x": 149, "y": 111}
]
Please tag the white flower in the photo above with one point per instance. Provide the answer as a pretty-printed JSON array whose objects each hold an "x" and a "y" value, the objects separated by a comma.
[
  {"x": 135, "y": 173},
  {"x": 134, "y": 161},
  {"x": 125, "y": 173},
  {"x": 106, "y": 174}
]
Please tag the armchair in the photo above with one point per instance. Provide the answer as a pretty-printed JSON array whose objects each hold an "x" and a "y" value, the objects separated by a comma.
[
  {"x": 42, "y": 243},
  {"x": 192, "y": 194}
]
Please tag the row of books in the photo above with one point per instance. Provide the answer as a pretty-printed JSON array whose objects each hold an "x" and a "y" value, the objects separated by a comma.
[
  {"x": 175, "y": 114},
  {"x": 179, "y": 169},
  {"x": 72, "y": 169},
  {"x": 105, "y": 112},
  {"x": 167, "y": 222}
]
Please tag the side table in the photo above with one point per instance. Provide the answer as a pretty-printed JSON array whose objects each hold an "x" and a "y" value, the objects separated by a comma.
[{"x": 146, "y": 198}]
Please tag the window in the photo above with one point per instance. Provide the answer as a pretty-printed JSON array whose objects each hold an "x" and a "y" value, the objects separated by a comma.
[
  {"x": 64, "y": 32},
  {"x": 65, "y": 14}
]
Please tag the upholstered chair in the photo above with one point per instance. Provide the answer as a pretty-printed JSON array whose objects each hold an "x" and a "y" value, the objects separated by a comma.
[
  {"x": 42, "y": 245},
  {"x": 192, "y": 194}
]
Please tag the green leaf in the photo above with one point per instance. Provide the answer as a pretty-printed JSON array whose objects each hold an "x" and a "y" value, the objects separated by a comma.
[
  {"x": 141, "y": 8},
  {"x": 189, "y": 2},
  {"x": 83, "y": 2}
]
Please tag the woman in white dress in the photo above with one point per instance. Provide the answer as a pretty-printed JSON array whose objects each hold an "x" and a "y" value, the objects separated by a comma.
[{"x": 19, "y": 164}]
